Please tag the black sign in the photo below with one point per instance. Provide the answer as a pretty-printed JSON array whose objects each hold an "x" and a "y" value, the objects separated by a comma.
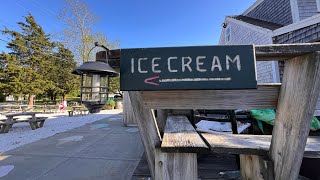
[{"x": 205, "y": 67}]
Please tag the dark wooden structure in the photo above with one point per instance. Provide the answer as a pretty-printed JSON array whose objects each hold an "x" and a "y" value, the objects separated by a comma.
[{"x": 174, "y": 154}]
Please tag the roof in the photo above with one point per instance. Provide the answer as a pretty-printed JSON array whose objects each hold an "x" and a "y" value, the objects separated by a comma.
[
  {"x": 95, "y": 67},
  {"x": 258, "y": 22}
]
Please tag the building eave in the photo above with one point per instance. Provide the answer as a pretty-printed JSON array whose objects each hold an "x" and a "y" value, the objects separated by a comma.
[
  {"x": 298, "y": 25},
  {"x": 251, "y": 26}
]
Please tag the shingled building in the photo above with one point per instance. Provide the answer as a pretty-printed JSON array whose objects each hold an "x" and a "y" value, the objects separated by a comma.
[{"x": 273, "y": 22}]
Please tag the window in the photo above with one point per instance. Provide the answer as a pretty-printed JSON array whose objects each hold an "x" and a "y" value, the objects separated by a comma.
[
  {"x": 228, "y": 34},
  {"x": 318, "y": 5}
]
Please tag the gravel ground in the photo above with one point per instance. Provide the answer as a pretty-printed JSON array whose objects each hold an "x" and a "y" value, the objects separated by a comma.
[{"x": 21, "y": 133}]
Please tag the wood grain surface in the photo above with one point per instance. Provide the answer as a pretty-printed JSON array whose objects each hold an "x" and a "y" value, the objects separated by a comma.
[{"x": 180, "y": 136}]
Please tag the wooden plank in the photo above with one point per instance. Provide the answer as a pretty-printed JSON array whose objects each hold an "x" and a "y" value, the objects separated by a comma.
[
  {"x": 316, "y": 112},
  {"x": 255, "y": 167},
  {"x": 128, "y": 118},
  {"x": 297, "y": 101},
  {"x": 265, "y": 96},
  {"x": 253, "y": 144},
  {"x": 180, "y": 136},
  {"x": 21, "y": 114},
  {"x": 263, "y": 52},
  {"x": 284, "y": 51},
  {"x": 148, "y": 128},
  {"x": 318, "y": 104},
  {"x": 175, "y": 166}
]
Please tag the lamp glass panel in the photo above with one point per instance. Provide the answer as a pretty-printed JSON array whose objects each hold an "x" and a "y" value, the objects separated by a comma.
[
  {"x": 87, "y": 87},
  {"x": 96, "y": 87}
]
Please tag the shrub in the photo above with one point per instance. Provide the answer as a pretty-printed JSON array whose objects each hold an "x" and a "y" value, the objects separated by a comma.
[
  {"x": 2, "y": 98},
  {"x": 111, "y": 103}
]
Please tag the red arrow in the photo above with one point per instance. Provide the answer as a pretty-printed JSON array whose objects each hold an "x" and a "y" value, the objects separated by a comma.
[{"x": 149, "y": 80}]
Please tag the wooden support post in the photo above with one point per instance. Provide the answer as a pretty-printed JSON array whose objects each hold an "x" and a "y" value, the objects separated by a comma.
[
  {"x": 128, "y": 117},
  {"x": 233, "y": 120},
  {"x": 162, "y": 115},
  {"x": 297, "y": 100},
  {"x": 147, "y": 126},
  {"x": 175, "y": 166},
  {"x": 255, "y": 167}
]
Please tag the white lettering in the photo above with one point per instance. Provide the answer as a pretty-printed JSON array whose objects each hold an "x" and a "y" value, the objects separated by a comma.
[
  {"x": 132, "y": 65},
  {"x": 200, "y": 63},
  {"x": 169, "y": 64},
  {"x": 155, "y": 65},
  {"x": 216, "y": 63},
  {"x": 139, "y": 65},
  {"x": 184, "y": 65},
  {"x": 237, "y": 58}
]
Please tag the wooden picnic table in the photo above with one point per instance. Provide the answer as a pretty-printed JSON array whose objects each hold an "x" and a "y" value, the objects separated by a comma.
[
  {"x": 77, "y": 109},
  {"x": 74, "y": 108},
  {"x": 33, "y": 121}
]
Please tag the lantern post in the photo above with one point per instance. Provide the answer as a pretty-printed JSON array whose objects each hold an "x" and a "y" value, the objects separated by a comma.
[{"x": 95, "y": 79}]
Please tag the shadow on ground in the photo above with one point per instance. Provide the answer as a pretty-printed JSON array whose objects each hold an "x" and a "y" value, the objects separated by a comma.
[{"x": 104, "y": 149}]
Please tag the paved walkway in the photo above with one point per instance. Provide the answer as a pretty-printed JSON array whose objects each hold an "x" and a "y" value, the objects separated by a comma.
[{"x": 100, "y": 150}]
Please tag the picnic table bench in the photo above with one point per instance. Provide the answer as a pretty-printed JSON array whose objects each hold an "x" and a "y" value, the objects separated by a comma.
[
  {"x": 180, "y": 137},
  {"x": 78, "y": 110},
  {"x": 50, "y": 108},
  {"x": 34, "y": 122}
]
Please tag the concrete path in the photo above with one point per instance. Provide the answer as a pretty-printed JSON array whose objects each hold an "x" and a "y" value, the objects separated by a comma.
[{"x": 100, "y": 150}]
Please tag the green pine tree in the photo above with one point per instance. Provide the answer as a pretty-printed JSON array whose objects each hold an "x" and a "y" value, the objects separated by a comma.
[
  {"x": 35, "y": 66},
  {"x": 65, "y": 81}
]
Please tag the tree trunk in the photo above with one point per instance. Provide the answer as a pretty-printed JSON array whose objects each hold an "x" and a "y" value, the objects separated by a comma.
[
  {"x": 31, "y": 101},
  {"x": 64, "y": 97},
  {"x": 52, "y": 96},
  {"x": 55, "y": 96}
]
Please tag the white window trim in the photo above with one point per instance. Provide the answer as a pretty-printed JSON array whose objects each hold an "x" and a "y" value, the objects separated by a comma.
[
  {"x": 318, "y": 5},
  {"x": 225, "y": 34},
  {"x": 298, "y": 25},
  {"x": 294, "y": 11}
]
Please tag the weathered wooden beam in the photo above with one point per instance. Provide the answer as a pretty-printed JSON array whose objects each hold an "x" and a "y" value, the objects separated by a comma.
[
  {"x": 162, "y": 115},
  {"x": 128, "y": 118},
  {"x": 180, "y": 135},
  {"x": 253, "y": 144},
  {"x": 284, "y": 51},
  {"x": 175, "y": 166},
  {"x": 297, "y": 101},
  {"x": 147, "y": 126},
  {"x": 263, "y": 52},
  {"x": 266, "y": 96},
  {"x": 256, "y": 167}
]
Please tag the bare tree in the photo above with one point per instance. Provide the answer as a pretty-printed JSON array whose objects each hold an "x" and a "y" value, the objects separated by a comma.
[{"x": 78, "y": 34}]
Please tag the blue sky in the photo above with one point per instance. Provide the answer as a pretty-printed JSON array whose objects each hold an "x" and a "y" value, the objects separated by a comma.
[{"x": 136, "y": 23}]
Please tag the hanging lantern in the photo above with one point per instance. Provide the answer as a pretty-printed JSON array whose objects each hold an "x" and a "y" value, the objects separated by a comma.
[{"x": 95, "y": 76}]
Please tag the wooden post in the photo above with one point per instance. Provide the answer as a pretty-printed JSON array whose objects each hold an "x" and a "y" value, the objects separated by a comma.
[
  {"x": 175, "y": 166},
  {"x": 297, "y": 100},
  {"x": 255, "y": 167},
  {"x": 162, "y": 115},
  {"x": 128, "y": 117},
  {"x": 147, "y": 126}
]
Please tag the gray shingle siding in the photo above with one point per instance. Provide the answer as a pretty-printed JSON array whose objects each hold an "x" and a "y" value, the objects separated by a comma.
[
  {"x": 304, "y": 35},
  {"x": 307, "y": 8},
  {"x": 243, "y": 35},
  {"x": 276, "y": 11}
]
